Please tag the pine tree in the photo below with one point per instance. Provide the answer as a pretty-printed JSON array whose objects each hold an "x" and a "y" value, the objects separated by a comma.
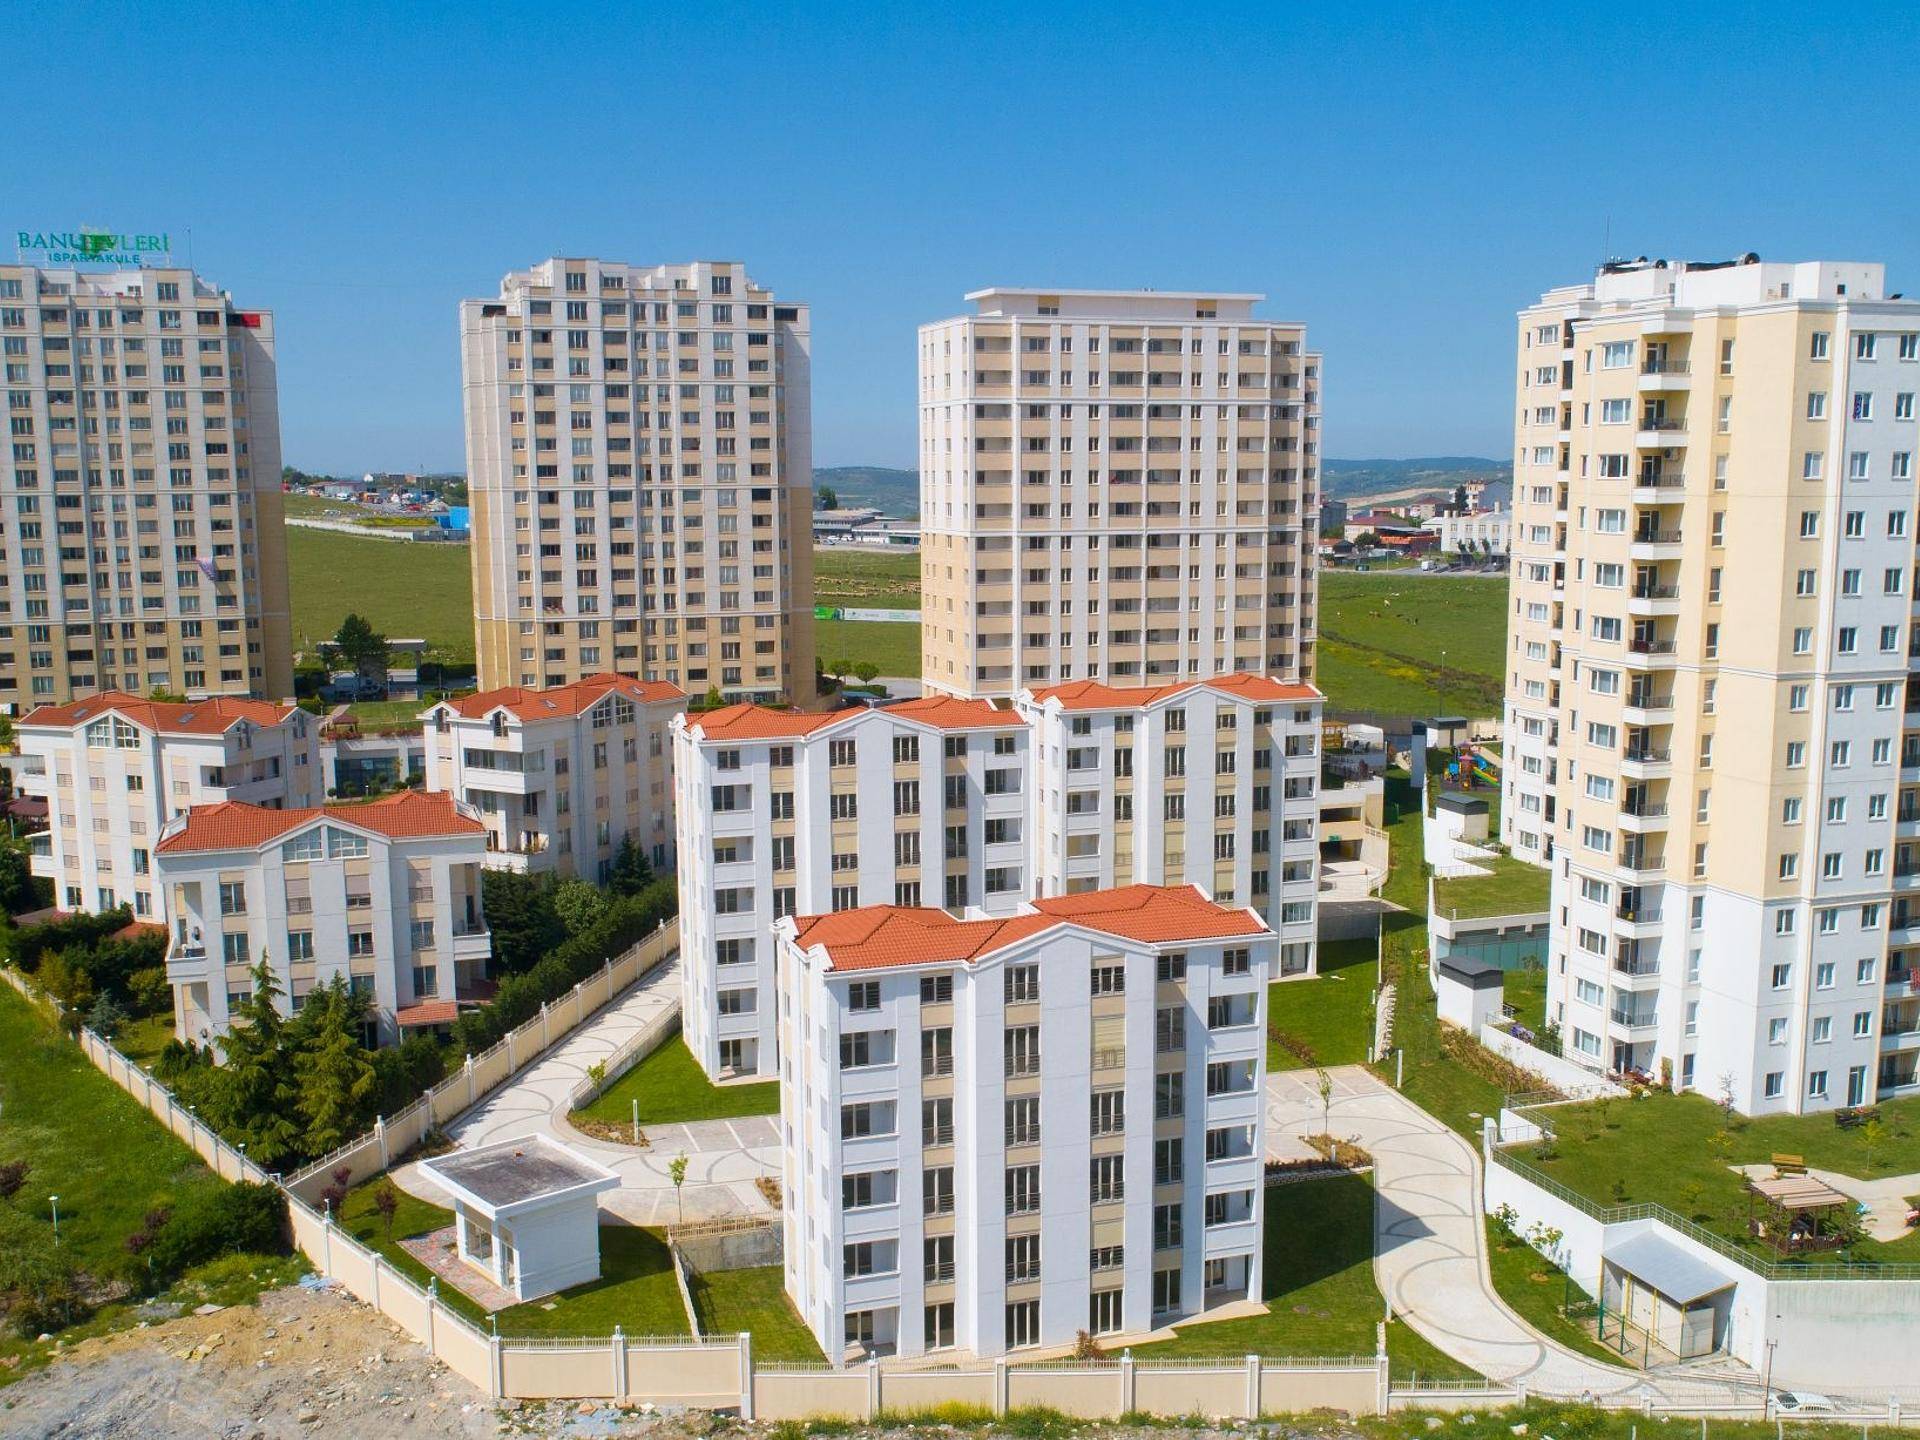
[
  {"x": 253, "y": 1095},
  {"x": 331, "y": 1070},
  {"x": 630, "y": 872}
]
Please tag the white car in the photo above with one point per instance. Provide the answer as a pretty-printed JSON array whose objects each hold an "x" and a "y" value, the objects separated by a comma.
[{"x": 1802, "y": 1402}]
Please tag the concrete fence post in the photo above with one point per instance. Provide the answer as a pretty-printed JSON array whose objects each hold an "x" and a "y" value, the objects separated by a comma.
[
  {"x": 374, "y": 1299},
  {"x": 619, "y": 1364},
  {"x": 380, "y": 1138},
  {"x": 471, "y": 1097},
  {"x": 873, "y": 1386},
  {"x": 746, "y": 1375},
  {"x": 433, "y": 1303},
  {"x": 1253, "y": 1387},
  {"x": 545, "y": 1039},
  {"x": 513, "y": 1065},
  {"x": 496, "y": 1367},
  {"x": 1000, "y": 1387},
  {"x": 326, "y": 1242},
  {"x": 1126, "y": 1382}
]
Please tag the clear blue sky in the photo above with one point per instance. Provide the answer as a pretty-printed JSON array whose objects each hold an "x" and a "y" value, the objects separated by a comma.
[{"x": 1400, "y": 178}]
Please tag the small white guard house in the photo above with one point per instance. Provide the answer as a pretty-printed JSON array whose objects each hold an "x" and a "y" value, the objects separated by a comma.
[{"x": 525, "y": 1212}]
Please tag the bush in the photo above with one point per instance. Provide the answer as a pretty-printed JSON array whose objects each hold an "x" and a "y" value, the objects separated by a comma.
[
  {"x": 243, "y": 1218},
  {"x": 148, "y": 992},
  {"x": 39, "y": 1291}
]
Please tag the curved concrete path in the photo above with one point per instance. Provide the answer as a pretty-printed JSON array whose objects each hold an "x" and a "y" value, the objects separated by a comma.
[
  {"x": 724, "y": 1157},
  {"x": 1430, "y": 1248}
]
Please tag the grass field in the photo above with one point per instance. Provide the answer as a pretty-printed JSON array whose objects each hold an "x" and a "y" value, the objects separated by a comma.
[
  {"x": 894, "y": 648},
  {"x": 866, "y": 579},
  {"x": 1382, "y": 638},
  {"x": 87, "y": 1141},
  {"x": 1331, "y": 1014},
  {"x": 1675, "y": 1150},
  {"x": 672, "y": 1089},
  {"x": 755, "y": 1299},
  {"x": 1526, "y": 990},
  {"x": 404, "y": 589},
  {"x": 1512, "y": 888},
  {"x": 1317, "y": 1274},
  {"x": 1535, "y": 1287}
]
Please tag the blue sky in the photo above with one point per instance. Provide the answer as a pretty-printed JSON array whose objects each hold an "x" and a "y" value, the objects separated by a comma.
[{"x": 1400, "y": 178}]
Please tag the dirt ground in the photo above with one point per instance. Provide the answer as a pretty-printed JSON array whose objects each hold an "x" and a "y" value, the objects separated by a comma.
[{"x": 312, "y": 1363}]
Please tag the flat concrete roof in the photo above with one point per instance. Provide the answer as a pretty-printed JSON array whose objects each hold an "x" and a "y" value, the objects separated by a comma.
[
  {"x": 1465, "y": 804},
  {"x": 1472, "y": 971},
  {"x": 515, "y": 1171}
]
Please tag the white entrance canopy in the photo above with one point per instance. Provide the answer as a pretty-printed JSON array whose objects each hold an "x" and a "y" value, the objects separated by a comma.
[
  {"x": 1668, "y": 1268},
  {"x": 525, "y": 1212}
]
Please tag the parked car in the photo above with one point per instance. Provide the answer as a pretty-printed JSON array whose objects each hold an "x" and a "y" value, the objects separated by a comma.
[{"x": 1803, "y": 1402}]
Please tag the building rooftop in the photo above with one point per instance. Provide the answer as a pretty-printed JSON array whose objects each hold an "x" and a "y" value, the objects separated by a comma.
[
  {"x": 1092, "y": 695},
  {"x": 560, "y": 700},
  {"x": 212, "y": 716},
  {"x": 761, "y": 722},
  {"x": 516, "y": 1172},
  {"x": 875, "y": 937},
  {"x": 234, "y": 825}
]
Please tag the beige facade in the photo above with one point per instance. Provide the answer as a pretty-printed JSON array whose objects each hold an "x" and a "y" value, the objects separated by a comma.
[
  {"x": 1118, "y": 486},
  {"x": 141, "y": 544},
  {"x": 1708, "y": 658},
  {"x": 639, "y": 456}
]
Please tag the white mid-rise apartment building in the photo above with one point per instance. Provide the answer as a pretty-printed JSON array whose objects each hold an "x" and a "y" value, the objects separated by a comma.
[
  {"x": 385, "y": 895},
  {"x": 562, "y": 776},
  {"x": 1212, "y": 783},
  {"x": 640, "y": 460},
  {"x": 115, "y": 768},
  {"x": 1002, "y": 1132},
  {"x": 786, "y": 813},
  {"x": 1709, "y": 736},
  {"x": 1115, "y": 485},
  {"x": 141, "y": 541}
]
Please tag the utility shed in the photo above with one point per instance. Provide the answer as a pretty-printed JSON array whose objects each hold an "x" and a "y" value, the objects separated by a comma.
[
  {"x": 1467, "y": 990},
  {"x": 1668, "y": 1293},
  {"x": 525, "y": 1212}
]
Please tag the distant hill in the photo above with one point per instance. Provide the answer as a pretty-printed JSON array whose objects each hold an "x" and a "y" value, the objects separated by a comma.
[
  {"x": 897, "y": 492},
  {"x": 1358, "y": 479}
]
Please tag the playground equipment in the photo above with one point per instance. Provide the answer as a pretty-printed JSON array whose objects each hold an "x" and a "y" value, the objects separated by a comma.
[{"x": 1471, "y": 767}]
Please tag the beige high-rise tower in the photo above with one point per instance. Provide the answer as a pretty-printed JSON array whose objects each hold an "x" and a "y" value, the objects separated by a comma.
[
  {"x": 640, "y": 465},
  {"x": 1115, "y": 485},
  {"x": 141, "y": 541},
  {"x": 1710, "y": 735}
]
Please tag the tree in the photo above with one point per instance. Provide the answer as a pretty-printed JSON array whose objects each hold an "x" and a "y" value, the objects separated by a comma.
[
  {"x": 677, "y": 1172},
  {"x": 386, "y": 1200},
  {"x": 360, "y": 645},
  {"x": 866, "y": 670},
  {"x": 521, "y": 918},
  {"x": 252, "y": 1094},
  {"x": 331, "y": 1071},
  {"x": 579, "y": 904},
  {"x": 106, "y": 1017},
  {"x": 826, "y": 498},
  {"x": 630, "y": 872}
]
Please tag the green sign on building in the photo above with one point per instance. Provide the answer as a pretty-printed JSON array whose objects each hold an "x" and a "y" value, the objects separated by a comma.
[{"x": 93, "y": 247}]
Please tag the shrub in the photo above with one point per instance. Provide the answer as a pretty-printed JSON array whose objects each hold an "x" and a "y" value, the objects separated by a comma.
[
  {"x": 243, "y": 1218},
  {"x": 148, "y": 992}
]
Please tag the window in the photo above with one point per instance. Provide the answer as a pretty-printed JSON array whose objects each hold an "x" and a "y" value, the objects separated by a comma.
[
  {"x": 863, "y": 995},
  {"x": 936, "y": 1190},
  {"x": 867, "y": 1188},
  {"x": 1108, "y": 979},
  {"x": 1023, "y": 1189},
  {"x": 1022, "y": 984},
  {"x": 1023, "y": 1324},
  {"x": 1106, "y": 1179}
]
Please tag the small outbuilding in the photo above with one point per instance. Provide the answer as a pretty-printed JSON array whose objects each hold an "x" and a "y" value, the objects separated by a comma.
[
  {"x": 1461, "y": 817},
  {"x": 1671, "y": 1295},
  {"x": 525, "y": 1212},
  {"x": 1468, "y": 991}
]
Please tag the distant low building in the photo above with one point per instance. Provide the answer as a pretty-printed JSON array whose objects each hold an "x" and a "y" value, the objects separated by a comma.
[{"x": 1486, "y": 533}]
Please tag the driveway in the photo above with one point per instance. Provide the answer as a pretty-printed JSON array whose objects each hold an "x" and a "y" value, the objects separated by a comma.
[
  {"x": 724, "y": 1157},
  {"x": 1430, "y": 1246}
]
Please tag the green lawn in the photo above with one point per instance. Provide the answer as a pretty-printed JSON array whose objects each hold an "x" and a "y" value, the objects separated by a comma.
[
  {"x": 1382, "y": 637},
  {"x": 672, "y": 1089},
  {"x": 894, "y": 648},
  {"x": 636, "y": 1289},
  {"x": 1513, "y": 888},
  {"x": 1668, "y": 1149},
  {"x": 142, "y": 1040},
  {"x": 403, "y": 588},
  {"x": 110, "y": 1162},
  {"x": 866, "y": 579},
  {"x": 1332, "y": 1013},
  {"x": 755, "y": 1299},
  {"x": 1434, "y": 1081},
  {"x": 388, "y": 714},
  {"x": 1536, "y": 1288},
  {"x": 1318, "y": 1274},
  {"x": 1526, "y": 991}
]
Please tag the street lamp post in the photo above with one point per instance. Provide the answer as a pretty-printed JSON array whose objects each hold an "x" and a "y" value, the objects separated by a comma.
[{"x": 54, "y": 1200}]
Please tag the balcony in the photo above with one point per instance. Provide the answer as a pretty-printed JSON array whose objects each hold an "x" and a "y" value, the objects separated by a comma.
[
  {"x": 1651, "y": 543},
  {"x": 1657, "y": 375},
  {"x": 1644, "y": 818},
  {"x": 1633, "y": 1018},
  {"x": 1644, "y": 709},
  {"x": 1659, "y": 432},
  {"x": 1653, "y": 600},
  {"x": 1638, "y": 860},
  {"x": 1661, "y": 488},
  {"x": 1646, "y": 762}
]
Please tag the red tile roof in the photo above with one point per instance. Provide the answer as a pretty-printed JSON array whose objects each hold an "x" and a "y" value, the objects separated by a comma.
[
  {"x": 428, "y": 1012},
  {"x": 212, "y": 716},
  {"x": 878, "y": 936},
  {"x": 562, "y": 700},
  {"x": 760, "y": 722},
  {"x": 234, "y": 825},
  {"x": 1092, "y": 695}
]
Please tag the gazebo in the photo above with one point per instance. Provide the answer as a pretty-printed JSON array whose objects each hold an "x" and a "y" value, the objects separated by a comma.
[
  {"x": 1795, "y": 1208},
  {"x": 525, "y": 1213}
]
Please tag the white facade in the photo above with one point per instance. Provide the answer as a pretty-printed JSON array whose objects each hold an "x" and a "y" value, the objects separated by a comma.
[
  {"x": 1213, "y": 784},
  {"x": 561, "y": 776},
  {"x": 784, "y": 813},
  {"x": 114, "y": 769},
  {"x": 1003, "y": 1132},
  {"x": 1482, "y": 532},
  {"x": 385, "y": 895}
]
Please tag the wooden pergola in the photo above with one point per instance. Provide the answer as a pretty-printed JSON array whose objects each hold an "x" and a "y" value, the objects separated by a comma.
[{"x": 1796, "y": 1207}]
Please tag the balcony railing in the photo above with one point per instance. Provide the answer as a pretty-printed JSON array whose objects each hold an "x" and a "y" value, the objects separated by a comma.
[
  {"x": 1650, "y": 702},
  {"x": 1656, "y": 537},
  {"x": 1661, "y": 424},
  {"x": 1634, "y": 1019},
  {"x": 1664, "y": 367},
  {"x": 1656, "y": 592},
  {"x": 1651, "y": 647},
  {"x": 1646, "y": 754},
  {"x": 1636, "y": 964},
  {"x": 1645, "y": 810}
]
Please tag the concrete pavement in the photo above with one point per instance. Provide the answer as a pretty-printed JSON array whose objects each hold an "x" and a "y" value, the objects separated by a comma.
[
  {"x": 1430, "y": 1247},
  {"x": 724, "y": 1157}
]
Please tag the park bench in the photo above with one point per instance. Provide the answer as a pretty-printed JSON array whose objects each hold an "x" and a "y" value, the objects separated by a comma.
[{"x": 1789, "y": 1165}]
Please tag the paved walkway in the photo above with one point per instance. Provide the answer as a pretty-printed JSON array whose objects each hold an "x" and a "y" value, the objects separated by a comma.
[
  {"x": 724, "y": 1157},
  {"x": 1430, "y": 1246}
]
